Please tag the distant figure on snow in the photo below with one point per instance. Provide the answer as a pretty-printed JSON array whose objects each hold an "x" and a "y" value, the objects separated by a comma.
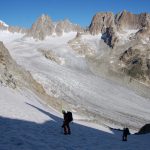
[
  {"x": 67, "y": 119},
  {"x": 125, "y": 134}
]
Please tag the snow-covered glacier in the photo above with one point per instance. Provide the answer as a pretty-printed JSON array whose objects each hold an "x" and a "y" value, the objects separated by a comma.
[{"x": 66, "y": 76}]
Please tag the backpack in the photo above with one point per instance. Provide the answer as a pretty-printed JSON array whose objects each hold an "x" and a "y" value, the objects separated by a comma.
[
  {"x": 127, "y": 130},
  {"x": 69, "y": 116}
]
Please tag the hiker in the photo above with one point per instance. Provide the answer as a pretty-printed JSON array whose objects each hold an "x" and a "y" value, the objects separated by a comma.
[
  {"x": 67, "y": 119},
  {"x": 125, "y": 134}
]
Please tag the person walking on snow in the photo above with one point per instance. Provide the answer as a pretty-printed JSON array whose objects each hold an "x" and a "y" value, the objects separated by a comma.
[
  {"x": 67, "y": 119},
  {"x": 125, "y": 134}
]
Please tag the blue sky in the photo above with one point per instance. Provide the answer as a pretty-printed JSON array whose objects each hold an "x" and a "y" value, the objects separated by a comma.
[{"x": 25, "y": 12}]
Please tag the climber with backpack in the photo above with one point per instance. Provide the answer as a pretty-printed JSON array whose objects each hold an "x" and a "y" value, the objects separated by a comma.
[
  {"x": 126, "y": 132},
  {"x": 67, "y": 119}
]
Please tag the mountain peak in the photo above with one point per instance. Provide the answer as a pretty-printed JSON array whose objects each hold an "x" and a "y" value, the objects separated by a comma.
[
  {"x": 42, "y": 27},
  {"x": 45, "y": 27},
  {"x": 44, "y": 17},
  {"x": 101, "y": 21},
  {"x": 111, "y": 26}
]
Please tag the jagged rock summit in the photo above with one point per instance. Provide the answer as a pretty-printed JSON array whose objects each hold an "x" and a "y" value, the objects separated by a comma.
[
  {"x": 124, "y": 23},
  {"x": 45, "y": 27},
  {"x": 42, "y": 28},
  {"x": 100, "y": 22}
]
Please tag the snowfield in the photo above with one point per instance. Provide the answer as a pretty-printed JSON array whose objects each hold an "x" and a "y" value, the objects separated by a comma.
[
  {"x": 106, "y": 102},
  {"x": 27, "y": 124}
]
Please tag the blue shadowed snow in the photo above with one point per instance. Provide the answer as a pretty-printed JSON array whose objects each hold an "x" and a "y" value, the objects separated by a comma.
[{"x": 25, "y": 135}]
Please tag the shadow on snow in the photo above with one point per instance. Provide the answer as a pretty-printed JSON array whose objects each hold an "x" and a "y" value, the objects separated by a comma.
[{"x": 25, "y": 135}]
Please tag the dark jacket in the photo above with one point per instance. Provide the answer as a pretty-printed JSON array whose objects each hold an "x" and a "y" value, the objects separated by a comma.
[{"x": 126, "y": 131}]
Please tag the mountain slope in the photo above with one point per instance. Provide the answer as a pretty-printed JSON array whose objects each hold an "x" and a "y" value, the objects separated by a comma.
[
  {"x": 72, "y": 71},
  {"x": 27, "y": 124},
  {"x": 76, "y": 87},
  {"x": 103, "y": 79}
]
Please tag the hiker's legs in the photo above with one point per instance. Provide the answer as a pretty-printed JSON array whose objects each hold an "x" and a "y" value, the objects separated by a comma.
[
  {"x": 68, "y": 127},
  {"x": 65, "y": 126},
  {"x": 65, "y": 129},
  {"x": 126, "y": 138}
]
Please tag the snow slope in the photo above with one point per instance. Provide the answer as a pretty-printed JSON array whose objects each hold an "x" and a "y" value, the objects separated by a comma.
[
  {"x": 27, "y": 124},
  {"x": 108, "y": 103}
]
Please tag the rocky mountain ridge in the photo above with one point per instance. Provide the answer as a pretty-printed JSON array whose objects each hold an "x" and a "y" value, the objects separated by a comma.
[
  {"x": 125, "y": 33},
  {"x": 44, "y": 26},
  {"x": 110, "y": 25},
  {"x": 128, "y": 37}
]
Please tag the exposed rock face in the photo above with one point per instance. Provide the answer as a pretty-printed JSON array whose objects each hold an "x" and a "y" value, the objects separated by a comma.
[
  {"x": 136, "y": 64},
  {"x": 128, "y": 61},
  {"x": 127, "y": 20},
  {"x": 104, "y": 23},
  {"x": 143, "y": 34},
  {"x": 42, "y": 28},
  {"x": 100, "y": 22},
  {"x": 121, "y": 21},
  {"x": 110, "y": 37},
  {"x": 45, "y": 27},
  {"x": 6, "y": 61},
  {"x": 49, "y": 54},
  {"x": 110, "y": 26},
  {"x": 66, "y": 26}
]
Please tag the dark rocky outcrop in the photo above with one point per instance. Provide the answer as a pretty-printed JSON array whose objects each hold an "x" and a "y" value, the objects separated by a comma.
[
  {"x": 136, "y": 64},
  {"x": 145, "y": 129},
  {"x": 110, "y": 37}
]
